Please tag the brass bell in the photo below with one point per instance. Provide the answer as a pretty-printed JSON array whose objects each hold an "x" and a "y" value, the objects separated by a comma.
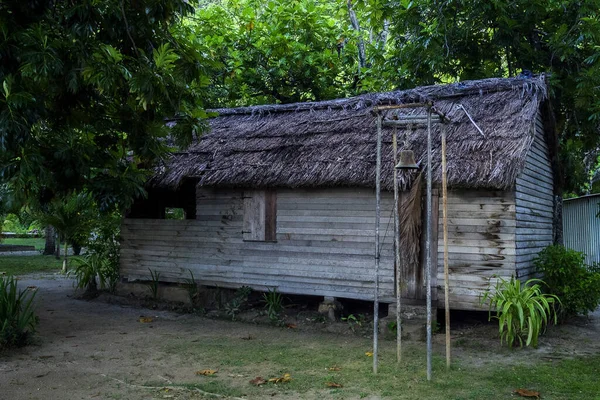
[{"x": 407, "y": 160}]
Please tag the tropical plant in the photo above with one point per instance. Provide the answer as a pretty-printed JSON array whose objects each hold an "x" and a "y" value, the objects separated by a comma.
[
  {"x": 73, "y": 218},
  {"x": 192, "y": 288},
  {"x": 153, "y": 283},
  {"x": 273, "y": 303},
  {"x": 17, "y": 318},
  {"x": 93, "y": 270},
  {"x": 234, "y": 306},
  {"x": 567, "y": 276},
  {"x": 522, "y": 310}
]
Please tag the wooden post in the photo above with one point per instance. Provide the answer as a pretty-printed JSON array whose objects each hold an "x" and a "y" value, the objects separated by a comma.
[
  {"x": 398, "y": 252},
  {"x": 377, "y": 249},
  {"x": 446, "y": 272},
  {"x": 428, "y": 243}
]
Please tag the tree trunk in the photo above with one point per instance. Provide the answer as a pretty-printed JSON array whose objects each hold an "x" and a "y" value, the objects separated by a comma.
[
  {"x": 50, "y": 247},
  {"x": 66, "y": 259},
  {"x": 57, "y": 253}
]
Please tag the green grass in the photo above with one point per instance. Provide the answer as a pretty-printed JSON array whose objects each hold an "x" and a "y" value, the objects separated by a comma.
[
  {"x": 19, "y": 265},
  {"x": 37, "y": 242},
  {"x": 307, "y": 359}
]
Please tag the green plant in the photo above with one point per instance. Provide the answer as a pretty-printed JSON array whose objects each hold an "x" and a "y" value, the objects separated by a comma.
[
  {"x": 235, "y": 305},
  {"x": 355, "y": 321},
  {"x": 17, "y": 318},
  {"x": 153, "y": 283},
  {"x": 273, "y": 304},
  {"x": 93, "y": 270},
  {"x": 567, "y": 276},
  {"x": 192, "y": 288},
  {"x": 522, "y": 310}
]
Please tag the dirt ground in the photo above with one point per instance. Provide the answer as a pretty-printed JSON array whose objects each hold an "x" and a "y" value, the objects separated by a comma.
[{"x": 92, "y": 349}]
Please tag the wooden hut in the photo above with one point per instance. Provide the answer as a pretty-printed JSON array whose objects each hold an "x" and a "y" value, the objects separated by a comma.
[{"x": 282, "y": 196}]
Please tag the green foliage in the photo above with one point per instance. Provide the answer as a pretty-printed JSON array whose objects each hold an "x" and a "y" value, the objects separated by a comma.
[
  {"x": 567, "y": 276},
  {"x": 273, "y": 304},
  {"x": 153, "y": 284},
  {"x": 522, "y": 310},
  {"x": 20, "y": 224},
  {"x": 192, "y": 288},
  {"x": 93, "y": 270},
  {"x": 274, "y": 51},
  {"x": 234, "y": 306},
  {"x": 104, "y": 241},
  {"x": 17, "y": 318},
  {"x": 357, "y": 321},
  {"x": 85, "y": 88}
]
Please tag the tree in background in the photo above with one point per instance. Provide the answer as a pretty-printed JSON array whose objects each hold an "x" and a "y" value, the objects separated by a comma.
[
  {"x": 270, "y": 51},
  {"x": 73, "y": 218}
]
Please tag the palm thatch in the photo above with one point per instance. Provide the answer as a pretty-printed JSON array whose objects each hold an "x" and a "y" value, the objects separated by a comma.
[{"x": 332, "y": 143}]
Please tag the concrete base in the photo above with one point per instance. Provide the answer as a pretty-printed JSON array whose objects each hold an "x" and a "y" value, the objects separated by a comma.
[
  {"x": 410, "y": 312},
  {"x": 331, "y": 307}
]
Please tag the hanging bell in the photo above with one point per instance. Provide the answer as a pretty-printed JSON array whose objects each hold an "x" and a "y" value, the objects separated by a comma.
[{"x": 407, "y": 160}]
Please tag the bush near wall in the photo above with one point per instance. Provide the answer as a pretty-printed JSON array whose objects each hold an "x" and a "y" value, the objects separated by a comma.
[{"x": 568, "y": 277}]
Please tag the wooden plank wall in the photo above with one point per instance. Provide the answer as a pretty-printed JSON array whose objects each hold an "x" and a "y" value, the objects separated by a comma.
[
  {"x": 325, "y": 244},
  {"x": 481, "y": 244},
  {"x": 535, "y": 204}
]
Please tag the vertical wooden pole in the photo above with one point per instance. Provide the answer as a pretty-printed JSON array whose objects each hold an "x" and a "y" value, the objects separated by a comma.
[
  {"x": 428, "y": 244},
  {"x": 377, "y": 249},
  {"x": 398, "y": 253},
  {"x": 446, "y": 269}
]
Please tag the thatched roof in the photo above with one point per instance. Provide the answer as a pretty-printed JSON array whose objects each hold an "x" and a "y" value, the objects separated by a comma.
[{"x": 333, "y": 143}]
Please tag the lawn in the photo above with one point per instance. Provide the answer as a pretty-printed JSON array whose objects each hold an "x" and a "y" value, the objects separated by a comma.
[
  {"x": 37, "y": 242},
  {"x": 20, "y": 265},
  {"x": 313, "y": 364}
]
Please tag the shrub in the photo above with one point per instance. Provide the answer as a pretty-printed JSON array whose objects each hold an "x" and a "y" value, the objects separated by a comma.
[
  {"x": 93, "y": 269},
  {"x": 17, "y": 319},
  {"x": 522, "y": 310},
  {"x": 567, "y": 276}
]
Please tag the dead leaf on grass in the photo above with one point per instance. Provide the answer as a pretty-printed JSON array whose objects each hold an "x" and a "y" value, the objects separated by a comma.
[
  {"x": 145, "y": 320},
  {"x": 207, "y": 372},
  {"x": 369, "y": 353},
  {"x": 333, "y": 385},
  {"x": 281, "y": 379},
  {"x": 527, "y": 393},
  {"x": 292, "y": 326},
  {"x": 258, "y": 381},
  {"x": 334, "y": 369}
]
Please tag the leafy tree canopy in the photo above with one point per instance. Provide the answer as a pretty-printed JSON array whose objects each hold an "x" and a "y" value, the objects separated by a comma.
[
  {"x": 85, "y": 88},
  {"x": 86, "y": 85},
  {"x": 269, "y": 51}
]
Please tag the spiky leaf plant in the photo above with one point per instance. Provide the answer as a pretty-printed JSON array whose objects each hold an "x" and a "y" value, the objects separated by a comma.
[{"x": 522, "y": 310}]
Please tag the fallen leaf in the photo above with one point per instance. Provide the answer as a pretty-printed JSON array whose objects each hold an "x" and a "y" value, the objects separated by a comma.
[
  {"x": 291, "y": 326},
  {"x": 527, "y": 393},
  {"x": 207, "y": 372},
  {"x": 281, "y": 379},
  {"x": 369, "y": 354},
  {"x": 258, "y": 381},
  {"x": 334, "y": 369},
  {"x": 333, "y": 385},
  {"x": 145, "y": 320}
]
